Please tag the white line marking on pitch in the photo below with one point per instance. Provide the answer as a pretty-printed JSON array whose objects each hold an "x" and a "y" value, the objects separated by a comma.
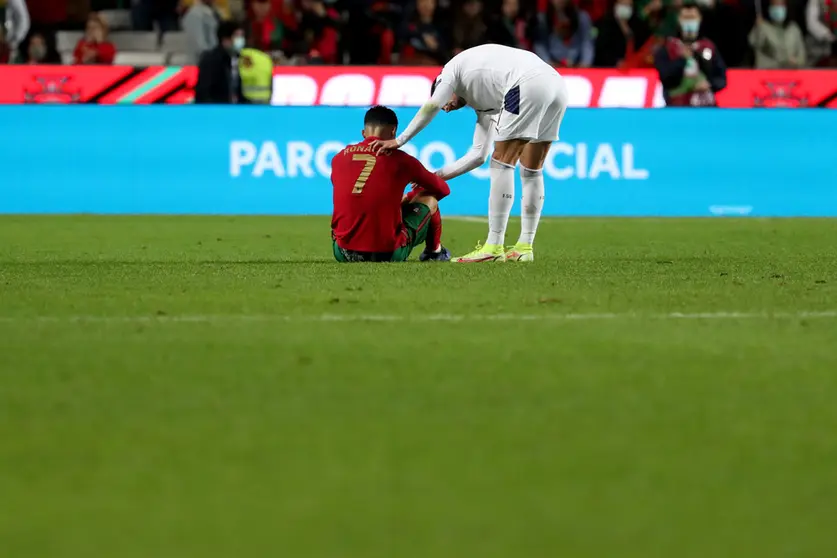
[
  {"x": 466, "y": 218},
  {"x": 221, "y": 318}
]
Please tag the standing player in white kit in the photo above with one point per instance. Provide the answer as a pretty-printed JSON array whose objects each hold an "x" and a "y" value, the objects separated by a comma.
[{"x": 520, "y": 100}]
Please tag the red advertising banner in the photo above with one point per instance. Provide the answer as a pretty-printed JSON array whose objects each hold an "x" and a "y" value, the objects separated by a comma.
[{"x": 394, "y": 86}]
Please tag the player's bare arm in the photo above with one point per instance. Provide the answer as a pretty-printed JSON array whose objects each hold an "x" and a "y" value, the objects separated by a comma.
[
  {"x": 477, "y": 155},
  {"x": 442, "y": 95},
  {"x": 427, "y": 181}
]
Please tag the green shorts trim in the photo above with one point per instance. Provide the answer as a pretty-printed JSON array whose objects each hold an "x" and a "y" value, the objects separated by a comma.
[{"x": 416, "y": 220}]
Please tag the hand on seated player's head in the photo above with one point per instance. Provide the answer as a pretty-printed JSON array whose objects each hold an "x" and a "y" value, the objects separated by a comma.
[{"x": 382, "y": 146}]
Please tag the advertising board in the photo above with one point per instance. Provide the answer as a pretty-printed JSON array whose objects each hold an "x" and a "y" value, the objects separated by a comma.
[
  {"x": 276, "y": 160},
  {"x": 395, "y": 86}
]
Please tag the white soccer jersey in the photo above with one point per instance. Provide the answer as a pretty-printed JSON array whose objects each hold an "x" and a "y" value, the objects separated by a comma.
[
  {"x": 529, "y": 96},
  {"x": 483, "y": 75}
]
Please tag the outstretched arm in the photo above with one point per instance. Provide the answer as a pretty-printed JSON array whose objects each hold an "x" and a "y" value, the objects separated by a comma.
[
  {"x": 480, "y": 149},
  {"x": 426, "y": 113},
  {"x": 424, "y": 179}
]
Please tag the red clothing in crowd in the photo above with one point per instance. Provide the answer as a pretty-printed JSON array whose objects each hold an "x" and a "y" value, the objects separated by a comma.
[
  {"x": 326, "y": 37},
  {"x": 367, "y": 196},
  {"x": 47, "y": 12},
  {"x": 105, "y": 52},
  {"x": 273, "y": 31},
  {"x": 326, "y": 46},
  {"x": 596, "y": 9}
]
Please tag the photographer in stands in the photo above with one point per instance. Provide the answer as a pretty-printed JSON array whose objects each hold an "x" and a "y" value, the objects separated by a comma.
[{"x": 690, "y": 68}]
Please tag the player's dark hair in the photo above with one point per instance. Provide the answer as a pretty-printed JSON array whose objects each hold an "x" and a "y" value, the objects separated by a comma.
[
  {"x": 380, "y": 115},
  {"x": 227, "y": 29},
  {"x": 689, "y": 5}
]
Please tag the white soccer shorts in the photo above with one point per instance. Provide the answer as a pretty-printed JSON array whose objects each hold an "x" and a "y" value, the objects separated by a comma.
[{"x": 533, "y": 110}]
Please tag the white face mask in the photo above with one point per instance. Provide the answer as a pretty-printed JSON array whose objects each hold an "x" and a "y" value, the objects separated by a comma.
[
  {"x": 623, "y": 11},
  {"x": 690, "y": 27},
  {"x": 238, "y": 43},
  {"x": 778, "y": 13}
]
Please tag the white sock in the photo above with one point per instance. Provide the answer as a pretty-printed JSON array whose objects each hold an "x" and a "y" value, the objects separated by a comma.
[
  {"x": 500, "y": 201},
  {"x": 531, "y": 205}
]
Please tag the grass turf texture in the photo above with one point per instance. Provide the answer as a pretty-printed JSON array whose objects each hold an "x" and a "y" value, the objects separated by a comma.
[{"x": 258, "y": 429}]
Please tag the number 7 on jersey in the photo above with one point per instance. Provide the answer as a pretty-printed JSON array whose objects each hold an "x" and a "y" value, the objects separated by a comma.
[{"x": 368, "y": 167}]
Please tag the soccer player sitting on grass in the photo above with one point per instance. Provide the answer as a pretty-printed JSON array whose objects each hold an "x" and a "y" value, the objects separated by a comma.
[{"x": 373, "y": 221}]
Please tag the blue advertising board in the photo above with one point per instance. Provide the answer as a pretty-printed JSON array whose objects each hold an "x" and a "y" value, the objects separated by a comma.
[{"x": 275, "y": 160}]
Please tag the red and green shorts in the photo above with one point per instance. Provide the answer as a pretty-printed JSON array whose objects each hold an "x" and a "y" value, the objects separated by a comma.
[{"x": 416, "y": 221}]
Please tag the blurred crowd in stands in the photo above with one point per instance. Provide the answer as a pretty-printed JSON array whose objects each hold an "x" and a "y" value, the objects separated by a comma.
[{"x": 567, "y": 33}]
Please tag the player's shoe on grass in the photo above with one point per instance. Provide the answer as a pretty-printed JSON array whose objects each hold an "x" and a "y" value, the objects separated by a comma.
[
  {"x": 487, "y": 253},
  {"x": 520, "y": 253},
  {"x": 442, "y": 255}
]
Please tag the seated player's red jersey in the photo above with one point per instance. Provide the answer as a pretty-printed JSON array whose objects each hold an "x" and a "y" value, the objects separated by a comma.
[{"x": 367, "y": 196}]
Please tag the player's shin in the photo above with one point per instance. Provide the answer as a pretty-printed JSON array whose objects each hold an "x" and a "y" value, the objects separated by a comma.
[
  {"x": 531, "y": 205},
  {"x": 500, "y": 201},
  {"x": 434, "y": 232}
]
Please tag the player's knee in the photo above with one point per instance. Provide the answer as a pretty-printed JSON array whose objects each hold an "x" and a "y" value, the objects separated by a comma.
[
  {"x": 429, "y": 201},
  {"x": 526, "y": 172},
  {"x": 534, "y": 155}
]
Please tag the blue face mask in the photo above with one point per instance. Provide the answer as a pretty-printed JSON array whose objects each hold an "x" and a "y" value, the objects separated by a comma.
[
  {"x": 778, "y": 13},
  {"x": 238, "y": 43},
  {"x": 690, "y": 27}
]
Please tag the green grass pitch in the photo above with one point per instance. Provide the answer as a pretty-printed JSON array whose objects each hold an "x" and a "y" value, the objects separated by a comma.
[{"x": 178, "y": 387}]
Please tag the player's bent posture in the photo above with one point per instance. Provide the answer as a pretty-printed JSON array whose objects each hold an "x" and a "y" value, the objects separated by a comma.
[
  {"x": 520, "y": 100},
  {"x": 373, "y": 221}
]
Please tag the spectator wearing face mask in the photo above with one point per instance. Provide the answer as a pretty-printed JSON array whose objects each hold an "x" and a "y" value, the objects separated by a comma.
[
  {"x": 94, "y": 47},
  {"x": 40, "y": 51},
  {"x": 621, "y": 33},
  {"x": 565, "y": 35},
  {"x": 218, "y": 79},
  {"x": 691, "y": 68},
  {"x": 777, "y": 40}
]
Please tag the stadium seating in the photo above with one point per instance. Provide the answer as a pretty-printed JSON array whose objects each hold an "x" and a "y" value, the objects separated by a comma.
[
  {"x": 175, "y": 42},
  {"x": 181, "y": 59},
  {"x": 133, "y": 58},
  {"x": 65, "y": 41},
  {"x": 116, "y": 20},
  {"x": 134, "y": 48},
  {"x": 136, "y": 41}
]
